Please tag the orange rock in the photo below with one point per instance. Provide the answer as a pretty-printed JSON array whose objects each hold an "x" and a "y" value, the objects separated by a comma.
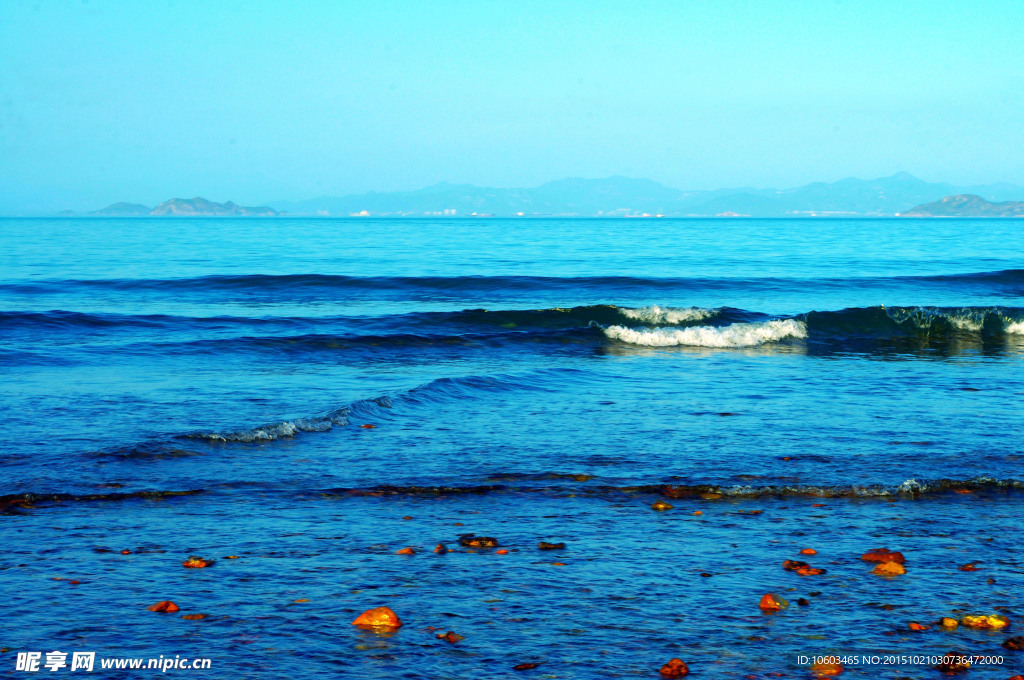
[
  {"x": 406, "y": 551},
  {"x": 968, "y": 567},
  {"x": 914, "y": 625},
  {"x": 661, "y": 506},
  {"x": 381, "y": 617},
  {"x": 889, "y": 569},
  {"x": 559, "y": 564},
  {"x": 948, "y": 622},
  {"x": 407, "y": 517},
  {"x": 164, "y": 606},
  {"x": 985, "y": 622},
  {"x": 368, "y": 426},
  {"x": 501, "y": 552},
  {"x": 675, "y": 668},
  {"x": 824, "y": 669},
  {"x": 531, "y": 666},
  {"x": 819, "y": 505},
  {"x": 126, "y": 552},
  {"x": 450, "y": 637},
  {"x": 441, "y": 549},
  {"x": 194, "y": 617},
  {"x": 771, "y": 602},
  {"x": 697, "y": 512},
  {"x": 305, "y": 599},
  {"x": 808, "y": 551},
  {"x": 793, "y": 565},
  {"x": 231, "y": 557},
  {"x": 810, "y": 571},
  {"x": 883, "y": 555},
  {"x": 196, "y": 563}
]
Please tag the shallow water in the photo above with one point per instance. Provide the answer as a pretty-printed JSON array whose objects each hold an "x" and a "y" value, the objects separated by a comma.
[{"x": 530, "y": 380}]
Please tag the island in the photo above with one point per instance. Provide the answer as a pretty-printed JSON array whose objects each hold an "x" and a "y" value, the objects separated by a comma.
[
  {"x": 185, "y": 207},
  {"x": 966, "y": 205}
]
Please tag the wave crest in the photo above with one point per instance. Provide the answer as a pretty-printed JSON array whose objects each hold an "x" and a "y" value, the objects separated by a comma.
[{"x": 733, "y": 335}]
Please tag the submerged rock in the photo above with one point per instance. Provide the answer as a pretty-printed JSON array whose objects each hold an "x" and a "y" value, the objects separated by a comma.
[
  {"x": 474, "y": 541},
  {"x": 450, "y": 637},
  {"x": 1014, "y": 643},
  {"x": 525, "y": 666},
  {"x": 826, "y": 669},
  {"x": 381, "y": 617},
  {"x": 948, "y": 623},
  {"x": 808, "y": 551},
  {"x": 914, "y": 625},
  {"x": 550, "y": 546},
  {"x": 675, "y": 668},
  {"x": 166, "y": 606},
  {"x": 406, "y": 551},
  {"x": 661, "y": 506},
  {"x": 953, "y": 662},
  {"x": 441, "y": 549},
  {"x": 194, "y": 617}
]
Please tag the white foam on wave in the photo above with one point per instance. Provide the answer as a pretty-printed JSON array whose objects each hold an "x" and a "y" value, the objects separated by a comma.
[
  {"x": 1015, "y": 328},
  {"x": 670, "y": 315},
  {"x": 734, "y": 335}
]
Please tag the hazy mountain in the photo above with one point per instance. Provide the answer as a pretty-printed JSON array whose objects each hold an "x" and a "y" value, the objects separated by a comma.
[
  {"x": 616, "y": 196},
  {"x": 967, "y": 205},
  {"x": 193, "y": 207},
  {"x": 122, "y": 210}
]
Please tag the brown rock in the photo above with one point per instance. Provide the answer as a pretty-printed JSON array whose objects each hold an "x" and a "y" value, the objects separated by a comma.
[
  {"x": 166, "y": 606},
  {"x": 661, "y": 506},
  {"x": 525, "y": 667},
  {"x": 883, "y": 555},
  {"x": 675, "y": 668},
  {"x": 450, "y": 637},
  {"x": 550, "y": 546},
  {"x": 196, "y": 563},
  {"x": 381, "y": 617},
  {"x": 194, "y": 617},
  {"x": 968, "y": 567},
  {"x": 441, "y": 549}
]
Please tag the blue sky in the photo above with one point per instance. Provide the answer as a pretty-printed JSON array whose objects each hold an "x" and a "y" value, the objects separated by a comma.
[{"x": 256, "y": 101}]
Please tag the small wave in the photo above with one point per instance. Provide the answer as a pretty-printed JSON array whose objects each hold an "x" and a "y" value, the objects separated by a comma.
[
  {"x": 434, "y": 391},
  {"x": 734, "y": 335}
]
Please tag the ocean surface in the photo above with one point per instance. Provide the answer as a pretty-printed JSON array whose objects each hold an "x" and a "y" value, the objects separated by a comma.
[{"x": 309, "y": 396}]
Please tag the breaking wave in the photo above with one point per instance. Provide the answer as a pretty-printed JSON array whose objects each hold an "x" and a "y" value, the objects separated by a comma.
[{"x": 734, "y": 335}]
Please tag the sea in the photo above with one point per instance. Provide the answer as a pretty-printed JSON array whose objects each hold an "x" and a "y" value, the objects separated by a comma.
[{"x": 296, "y": 400}]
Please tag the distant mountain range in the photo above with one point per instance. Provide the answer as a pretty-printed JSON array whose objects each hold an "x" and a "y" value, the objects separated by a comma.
[
  {"x": 967, "y": 205},
  {"x": 625, "y": 197},
  {"x": 182, "y": 207},
  {"x": 618, "y": 197}
]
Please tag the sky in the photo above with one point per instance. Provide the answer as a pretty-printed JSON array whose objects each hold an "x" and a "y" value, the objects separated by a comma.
[{"x": 256, "y": 101}]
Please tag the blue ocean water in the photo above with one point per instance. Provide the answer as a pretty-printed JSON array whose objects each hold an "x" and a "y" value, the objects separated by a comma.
[{"x": 199, "y": 386}]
